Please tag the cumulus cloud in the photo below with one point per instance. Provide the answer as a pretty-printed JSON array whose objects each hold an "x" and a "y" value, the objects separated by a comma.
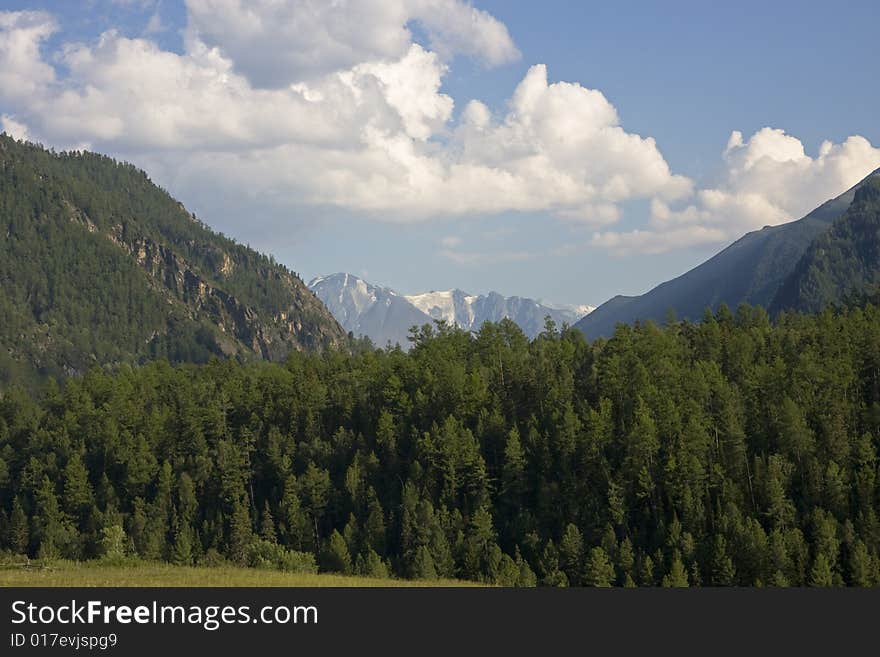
[
  {"x": 336, "y": 105},
  {"x": 767, "y": 180},
  {"x": 376, "y": 137},
  {"x": 278, "y": 43},
  {"x": 23, "y": 73}
]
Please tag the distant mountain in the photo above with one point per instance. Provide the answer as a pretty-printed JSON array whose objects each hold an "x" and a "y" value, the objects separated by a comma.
[
  {"x": 369, "y": 310},
  {"x": 385, "y": 316},
  {"x": 99, "y": 266},
  {"x": 843, "y": 260},
  {"x": 470, "y": 311},
  {"x": 751, "y": 270}
]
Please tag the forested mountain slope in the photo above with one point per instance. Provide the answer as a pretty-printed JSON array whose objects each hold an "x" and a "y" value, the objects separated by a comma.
[
  {"x": 100, "y": 266},
  {"x": 751, "y": 270},
  {"x": 844, "y": 260}
]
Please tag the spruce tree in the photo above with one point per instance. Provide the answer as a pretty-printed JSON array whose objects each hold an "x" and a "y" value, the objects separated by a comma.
[
  {"x": 240, "y": 533},
  {"x": 336, "y": 558},
  {"x": 677, "y": 575},
  {"x": 599, "y": 570},
  {"x": 19, "y": 533},
  {"x": 267, "y": 525}
]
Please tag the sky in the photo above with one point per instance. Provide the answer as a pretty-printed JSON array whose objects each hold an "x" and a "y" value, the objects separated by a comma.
[{"x": 563, "y": 151}]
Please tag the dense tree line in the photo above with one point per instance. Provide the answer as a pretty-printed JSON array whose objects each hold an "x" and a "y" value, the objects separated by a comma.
[{"x": 729, "y": 452}]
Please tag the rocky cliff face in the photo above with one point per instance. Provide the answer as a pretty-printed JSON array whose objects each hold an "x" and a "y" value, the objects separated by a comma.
[
  {"x": 242, "y": 327},
  {"x": 101, "y": 267}
]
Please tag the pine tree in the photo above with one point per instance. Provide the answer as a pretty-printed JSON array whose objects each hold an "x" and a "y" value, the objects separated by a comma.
[
  {"x": 480, "y": 558},
  {"x": 571, "y": 549},
  {"x": 337, "y": 558},
  {"x": 862, "y": 566},
  {"x": 374, "y": 528},
  {"x": 677, "y": 576},
  {"x": 113, "y": 542},
  {"x": 19, "y": 534},
  {"x": 625, "y": 558},
  {"x": 423, "y": 564},
  {"x": 240, "y": 533},
  {"x": 723, "y": 572},
  {"x": 49, "y": 522},
  {"x": 821, "y": 574},
  {"x": 137, "y": 526},
  {"x": 78, "y": 496},
  {"x": 526, "y": 577},
  {"x": 267, "y": 527},
  {"x": 599, "y": 571},
  {"x": 513, "y": 470},
  {"x": 371, "y": 565},
  {"x": 314, "y": 487},
  {"x": 182, "y": 549},
  {"x": 646, "y": 572},
  {"x": 296, "y": 529}
]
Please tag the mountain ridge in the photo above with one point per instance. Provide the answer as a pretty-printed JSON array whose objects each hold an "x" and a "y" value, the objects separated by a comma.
[
  {"x": 381, "y": 313},
  {"x": 99, "y": 266},
  {"x": 750, "y": 270},
  {"x": 843, "y": 261}
]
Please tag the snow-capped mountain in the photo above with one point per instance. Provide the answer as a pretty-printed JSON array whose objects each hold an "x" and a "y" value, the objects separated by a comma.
[
  {"x": 365, "y": 309},
  {"x": 385, "y": 316},
  {"x": 470, "y": 311}
]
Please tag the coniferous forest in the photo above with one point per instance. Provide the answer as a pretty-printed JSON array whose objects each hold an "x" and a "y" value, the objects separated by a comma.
[{"x": 735, "y": 451}]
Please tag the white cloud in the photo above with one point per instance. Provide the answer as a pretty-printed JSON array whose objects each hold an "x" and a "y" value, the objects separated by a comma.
[
  {"x": 23, "y": 73},
  {"x": 13, "y": 128},
  {"x": 334, "y": 105},
  {"x": 466, "y": 258},
  {"x": 155, "y": 24},
  {"x": 652, "y": 241},
  {"x": 456, "y": 27},
  {"x": 770, "y": 179},
  {"x": 375, "y": 138},
  {"x": 277, "y": 43},
  {"x": 767, "y": 180}
]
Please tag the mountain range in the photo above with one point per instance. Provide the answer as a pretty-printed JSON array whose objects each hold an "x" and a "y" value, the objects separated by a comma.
[
  {"x": 386, "y": 316},
  {"x": 751, "y": 270},
  {"x": 99, "y": 266}
]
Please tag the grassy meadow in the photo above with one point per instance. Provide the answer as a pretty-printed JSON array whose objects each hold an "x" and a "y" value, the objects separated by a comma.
[{"x": 154, "y": 574}]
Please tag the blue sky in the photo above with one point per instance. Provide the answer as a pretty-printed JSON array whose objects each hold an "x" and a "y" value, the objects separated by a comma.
[{"x": 685, "y": 74}]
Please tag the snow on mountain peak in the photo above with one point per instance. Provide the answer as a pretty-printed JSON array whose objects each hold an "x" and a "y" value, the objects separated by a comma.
[
  {"x": 356, "y": 305},
  {"x": 439, "y": 305}
]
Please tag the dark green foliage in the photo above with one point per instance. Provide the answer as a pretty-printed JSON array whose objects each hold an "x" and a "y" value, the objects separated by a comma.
[
  {"x": 269, "y": 555},
  {"x": 599, "y": 571},
  {"x": 98, "y": 266},
  {"x": 337, "y": 558},
  {"x": 729, "y": 452},
  {"x": 19, "y": 534},
  {"x": 844, "y": 260}
]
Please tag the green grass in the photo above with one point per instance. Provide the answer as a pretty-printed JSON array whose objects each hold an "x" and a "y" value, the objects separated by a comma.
[{"x": 67, "y": 573}]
